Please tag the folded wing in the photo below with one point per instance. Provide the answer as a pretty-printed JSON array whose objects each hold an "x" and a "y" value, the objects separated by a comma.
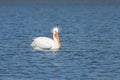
[{"x": 42, "y": 43}]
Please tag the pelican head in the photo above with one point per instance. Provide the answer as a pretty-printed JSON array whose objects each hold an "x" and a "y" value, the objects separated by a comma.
[
  {"x": 56, "y": 36},
  {"x": 55, "y": 30}
]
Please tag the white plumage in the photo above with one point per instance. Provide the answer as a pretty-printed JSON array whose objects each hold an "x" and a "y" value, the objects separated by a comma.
[{"x": 45, "y": 43}]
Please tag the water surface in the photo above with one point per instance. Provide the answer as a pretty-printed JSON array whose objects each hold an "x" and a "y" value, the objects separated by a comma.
[{"x": 90, "y": 39}]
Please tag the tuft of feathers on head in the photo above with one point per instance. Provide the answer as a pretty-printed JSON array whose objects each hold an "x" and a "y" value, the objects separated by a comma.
[{"x": 55, "y": 29}]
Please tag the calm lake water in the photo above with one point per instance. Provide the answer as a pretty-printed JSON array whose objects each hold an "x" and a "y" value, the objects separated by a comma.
[{"x": 90, "y": 39}]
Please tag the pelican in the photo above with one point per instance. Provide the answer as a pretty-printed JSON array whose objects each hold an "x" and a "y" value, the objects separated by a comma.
[{"x": 45, "y": 43}]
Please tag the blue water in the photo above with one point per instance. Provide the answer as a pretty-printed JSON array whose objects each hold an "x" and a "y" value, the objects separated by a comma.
[{"x": 90, "y": 39}]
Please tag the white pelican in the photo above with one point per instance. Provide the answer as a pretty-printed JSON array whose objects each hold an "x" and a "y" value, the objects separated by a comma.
[{"x": 45, "y": 43}]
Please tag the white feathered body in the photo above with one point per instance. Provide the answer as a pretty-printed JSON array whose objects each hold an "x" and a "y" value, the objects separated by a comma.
[{"x": 44, "y": 43}]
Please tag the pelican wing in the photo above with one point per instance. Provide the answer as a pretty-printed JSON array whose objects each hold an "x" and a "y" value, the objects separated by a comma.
[{"x": 41, "y": 43}]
